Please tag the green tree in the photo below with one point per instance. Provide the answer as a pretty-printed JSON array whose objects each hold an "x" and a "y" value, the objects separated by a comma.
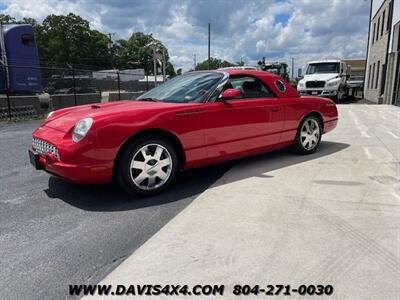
[
  {"x": 215, "y": 63},
  {"x": 169, "y": 69},
  {"x": 68, "y": 40},
  {"x": 138, "y": 51},
  {"x": 6, "y": 19},
  {"x": 31, "y": 21}
]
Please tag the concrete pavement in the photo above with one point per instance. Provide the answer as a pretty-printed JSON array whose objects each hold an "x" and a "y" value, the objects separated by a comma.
[{"x": 329, "y": 218}]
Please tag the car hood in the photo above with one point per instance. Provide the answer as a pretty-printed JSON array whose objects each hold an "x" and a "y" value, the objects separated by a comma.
[
  {"x": 65, "y": 119},
  {"x": 320, "y": 76}
]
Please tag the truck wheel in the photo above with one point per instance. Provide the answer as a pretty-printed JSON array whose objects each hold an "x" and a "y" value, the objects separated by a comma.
[
  {"x": 341, "y": 93},
  {"x": 339, "y": 97}
]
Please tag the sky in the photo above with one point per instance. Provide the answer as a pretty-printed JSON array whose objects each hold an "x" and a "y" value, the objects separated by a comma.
[{"x": 240, "y": 29}]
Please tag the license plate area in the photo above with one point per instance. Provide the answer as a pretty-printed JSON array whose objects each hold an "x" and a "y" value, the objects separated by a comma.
[{"x": 34, "y": 159}]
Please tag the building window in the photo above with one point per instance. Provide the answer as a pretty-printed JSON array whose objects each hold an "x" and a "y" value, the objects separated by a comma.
[
  {"x": 377, "y": 29},
  {"x": 373, "y": 76},
  {"x": 389, "y": 19},
  {"x": 377, "y": 74},
  {"x": 383, "y": 80},
  {"x": 373, "y": 34},
  {"x": 383, "y": 22},
  {"x": 369, "y": 77}
]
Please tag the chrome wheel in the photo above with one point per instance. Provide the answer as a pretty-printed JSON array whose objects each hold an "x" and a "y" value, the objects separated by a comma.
[
  {"x": 309, "y": 134},
  {"x": 151, "y": 167}
]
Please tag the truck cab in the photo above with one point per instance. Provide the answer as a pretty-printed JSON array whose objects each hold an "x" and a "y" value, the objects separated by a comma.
[
  {"x": 325, "y": 78},
  {"x": 20, "y": 54}
]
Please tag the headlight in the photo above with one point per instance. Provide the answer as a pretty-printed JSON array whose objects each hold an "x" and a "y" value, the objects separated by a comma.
[
  {"x": 301, "y": 84},
  {"x": 334, "y": 82},
  {"x": 81, "y": 129},
  {"x": 49, "y": 115}
]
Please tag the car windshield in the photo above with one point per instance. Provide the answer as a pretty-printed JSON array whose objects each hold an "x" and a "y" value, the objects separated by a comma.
[
  {"x": 190, "y": 87},
  {"x": 323, "y": 68}
]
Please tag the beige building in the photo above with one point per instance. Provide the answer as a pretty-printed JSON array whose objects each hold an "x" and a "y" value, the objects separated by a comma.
[{"x": 382, "y": 74}]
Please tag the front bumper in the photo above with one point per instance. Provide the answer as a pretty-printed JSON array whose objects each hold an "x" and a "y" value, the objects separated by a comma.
[
  {"x": 75, "y": 163},
  {"x": 318, "y": 92},
  {"x": 90, "y": 173}
]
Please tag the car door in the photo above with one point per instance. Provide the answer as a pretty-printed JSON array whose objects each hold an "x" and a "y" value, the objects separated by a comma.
[{"x": 239, "y": 126}]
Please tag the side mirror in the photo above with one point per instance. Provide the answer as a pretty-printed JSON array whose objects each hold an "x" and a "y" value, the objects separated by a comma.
[{"x": 231, "y": 94}]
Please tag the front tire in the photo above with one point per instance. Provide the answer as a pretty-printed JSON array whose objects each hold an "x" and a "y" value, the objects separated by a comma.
[
  {"x": 340, "y": 95},
  {"x": 147, "y": 166},
  {"x": 308, "y": 136}
]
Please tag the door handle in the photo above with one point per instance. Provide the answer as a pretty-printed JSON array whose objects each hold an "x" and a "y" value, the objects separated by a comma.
[
  {"x": 189, "y": 112},
  {"x": 275, "y": 109}
]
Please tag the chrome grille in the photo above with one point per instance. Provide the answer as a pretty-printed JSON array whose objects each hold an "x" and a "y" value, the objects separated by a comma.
[
  {"x": 43, "y": 147},
  {"x": 315, "y": 84}
]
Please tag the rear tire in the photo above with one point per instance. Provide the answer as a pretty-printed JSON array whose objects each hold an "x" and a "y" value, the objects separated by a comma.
[
  {"x": 147, "y": 165},
  {"x": 308, "y": 136}
]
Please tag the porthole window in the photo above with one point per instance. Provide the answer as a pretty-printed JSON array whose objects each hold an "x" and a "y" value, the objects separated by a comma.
[{"x": 280, "y": 86}]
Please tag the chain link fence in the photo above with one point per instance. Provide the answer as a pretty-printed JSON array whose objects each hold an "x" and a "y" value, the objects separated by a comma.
[{"x": 29, "y": 91}]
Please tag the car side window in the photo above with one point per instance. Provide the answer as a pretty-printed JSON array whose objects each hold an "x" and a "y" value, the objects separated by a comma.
[{"x": 250, "y": 87}]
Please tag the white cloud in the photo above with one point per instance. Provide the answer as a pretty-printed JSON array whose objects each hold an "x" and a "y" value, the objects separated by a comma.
[{"x": 243, "y": 28}]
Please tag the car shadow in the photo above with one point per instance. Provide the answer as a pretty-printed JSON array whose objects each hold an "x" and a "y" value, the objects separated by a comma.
[
  {"x": 109, "y": 197},
  {"x": 259, "y": 165},
  {"x": 189, "y": 184}
]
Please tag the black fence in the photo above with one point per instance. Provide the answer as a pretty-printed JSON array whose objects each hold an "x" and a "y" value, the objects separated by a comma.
[{"x": 29, "y": 91}]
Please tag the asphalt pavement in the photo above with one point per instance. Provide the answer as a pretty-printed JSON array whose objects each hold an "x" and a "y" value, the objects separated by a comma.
[{"x": 53, "y": 233}]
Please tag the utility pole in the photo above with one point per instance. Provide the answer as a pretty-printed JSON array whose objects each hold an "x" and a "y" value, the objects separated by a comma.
[
  {"x": 292, "y": 67},
  {"x": 155, "y": 65},
  {"x": 194, "y": 62},
  {"x": 209, "y": 42},
  {"x": 111, "y": 49},
  {"x": 164, "y": 64}
]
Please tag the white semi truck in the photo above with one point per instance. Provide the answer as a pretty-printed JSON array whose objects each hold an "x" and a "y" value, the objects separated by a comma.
[{"x": 326, "y": 78}]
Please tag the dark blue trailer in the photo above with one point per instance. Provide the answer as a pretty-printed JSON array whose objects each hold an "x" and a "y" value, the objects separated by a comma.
[{"x": 19, "y": 52}]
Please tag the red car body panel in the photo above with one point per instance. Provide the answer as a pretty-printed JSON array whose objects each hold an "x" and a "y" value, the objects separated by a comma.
[{"x": 207, "y": 132}]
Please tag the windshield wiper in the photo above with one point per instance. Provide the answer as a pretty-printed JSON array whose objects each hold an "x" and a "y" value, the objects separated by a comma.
[{"x": 149, "y": 99}]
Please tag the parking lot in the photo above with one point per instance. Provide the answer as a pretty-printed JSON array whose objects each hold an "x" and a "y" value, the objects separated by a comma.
[
  {"x": 332, "y": 217},
  {"x": 329, "y": 218},
  {"x": 53, "y": 233}
]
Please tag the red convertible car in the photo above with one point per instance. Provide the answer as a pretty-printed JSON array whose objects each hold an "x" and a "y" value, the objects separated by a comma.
[{"x": 192, "y": 120}]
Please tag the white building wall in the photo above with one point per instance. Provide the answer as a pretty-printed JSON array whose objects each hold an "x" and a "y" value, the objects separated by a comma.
[
  {"x": 378, "y": 51},
  {"x": 374, "y": 84},
  {"x": 395, "y": 19},
  {"x": 376, "y": 4}
]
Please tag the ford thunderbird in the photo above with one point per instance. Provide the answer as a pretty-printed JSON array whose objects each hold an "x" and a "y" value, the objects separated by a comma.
[{"x": 191, "y": 120}]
